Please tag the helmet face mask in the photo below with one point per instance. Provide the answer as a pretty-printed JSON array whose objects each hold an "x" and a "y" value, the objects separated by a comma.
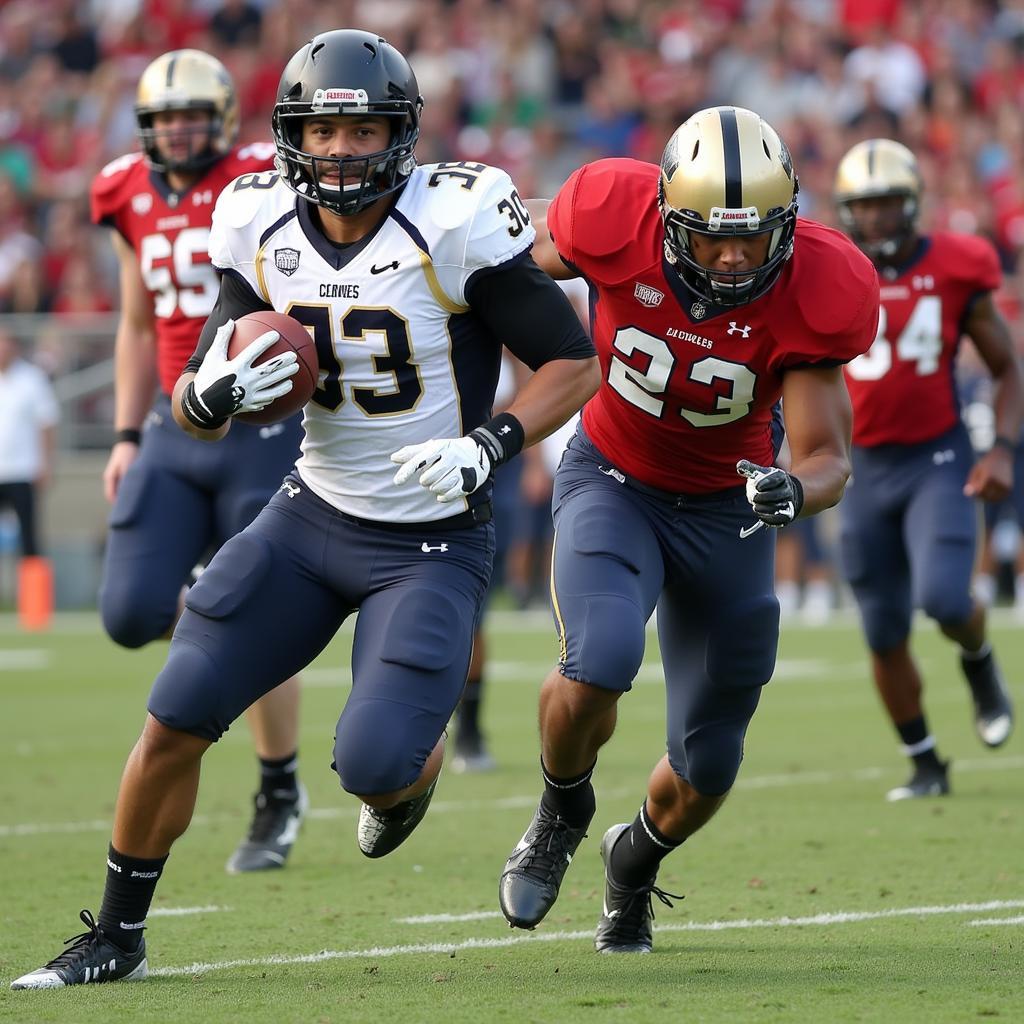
[
  {"x": 346, "y": 72},
  {"x": 874, "y": 170},
  {"x": 186, "y": 80},
  {"x": 726, "y": 173}
]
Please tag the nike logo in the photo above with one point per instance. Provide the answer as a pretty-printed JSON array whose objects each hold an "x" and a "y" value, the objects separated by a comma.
[
  {"x": 387, "y": 266},
  {"x": 427, "y": 548},
  {"x": 613, "y": 473},
  {"x": 746, "y": 531},
  {"x": 290, "y": 832}
]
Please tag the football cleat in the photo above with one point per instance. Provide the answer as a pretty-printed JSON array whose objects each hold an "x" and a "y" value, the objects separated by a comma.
[
  {"x": 534, "y": 870},
  {"x": 275, "y": 827},
  {"x": 471, "y": 755},
  {"x": 625, "y": 925},
  {"x": 926, "y": 781},
  {"x": 993, "y": 710},
  {"x": 90, "y": 958},
  {"x": 380, "y": 832}
]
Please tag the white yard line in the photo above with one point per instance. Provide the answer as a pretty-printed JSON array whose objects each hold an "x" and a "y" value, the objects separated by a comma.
[
  {"x": 1001, "y": 763},
  {"x": 381, "y": 952},
  {"x": 21, "y": 659},
  {"x": 996, "y": 920},
  {"x": 185, "y": 911}
]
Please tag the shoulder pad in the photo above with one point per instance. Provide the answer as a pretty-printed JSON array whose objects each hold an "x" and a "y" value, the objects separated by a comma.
[
  {"x": 245, "y": 209},
  {"x": 968, "y": 258},
  {"x": 108, "y": 187}
]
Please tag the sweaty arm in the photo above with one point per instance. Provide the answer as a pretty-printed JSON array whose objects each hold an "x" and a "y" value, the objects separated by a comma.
[
  {"x": 819, "y": 419},
  {"x": 234, "y": 300},
  {"x": 524, "y": 308},
  {"x": 135, "y": 377},
  {"x": 991, "y": 477},
  {"x": 545, "y": 254}
]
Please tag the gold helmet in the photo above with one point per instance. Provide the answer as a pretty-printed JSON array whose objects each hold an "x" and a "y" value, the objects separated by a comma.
[
  {"x": 874, "y": 169},
  {"x": 187, "y": 80},
  {"x": 725, "y": 171}
]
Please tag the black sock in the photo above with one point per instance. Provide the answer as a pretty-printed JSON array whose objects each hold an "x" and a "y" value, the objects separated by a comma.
[
  {"x": 572, "y": 799},
  {"x": 469, "y": 708},
  {"x": 639, "y": 850},
  {"x": 278, "y": 776},
  {"x": 131, "y": 882},
  {"x": 918, "y": 743}
]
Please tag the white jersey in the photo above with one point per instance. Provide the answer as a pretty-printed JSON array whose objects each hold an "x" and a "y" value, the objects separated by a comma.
[{"x": 402, "y": 357}]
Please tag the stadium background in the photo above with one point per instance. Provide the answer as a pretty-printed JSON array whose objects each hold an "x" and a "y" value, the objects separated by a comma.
[{"x": 535, "y": 86}]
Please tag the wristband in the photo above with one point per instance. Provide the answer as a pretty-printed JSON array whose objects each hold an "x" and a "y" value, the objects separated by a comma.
[
  {"x": 129, "y": 434},
  {"x": 501, "y": 437},
  {"x": 196, "y": 413},
  {"x": 1002, "y": 441}
]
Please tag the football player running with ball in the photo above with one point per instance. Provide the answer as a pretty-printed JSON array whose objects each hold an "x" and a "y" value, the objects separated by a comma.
[
  {"x": 410, "y": 279},
  {"x": 174, "y": 498},
  {"x": 713, "y": 301},
  {"x": 909, "y": 521}
]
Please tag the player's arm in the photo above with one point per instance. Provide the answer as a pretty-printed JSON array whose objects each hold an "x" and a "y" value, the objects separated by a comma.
[
  {"x": 213, "y": 388},
  {"x": 545, "y": 254},
  {"x": 991, "y": 477},
  {"x": 135, "y": 377},
  {"x": 819, "y": 420},
  {"x": 525, "y": 308}
]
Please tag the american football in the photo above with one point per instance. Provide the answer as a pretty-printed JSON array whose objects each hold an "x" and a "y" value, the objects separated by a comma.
[{"x": 293, "y": 336}]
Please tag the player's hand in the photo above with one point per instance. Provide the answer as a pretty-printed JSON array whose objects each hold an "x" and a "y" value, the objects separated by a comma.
[
  {"x": 224, "y": 387},
  {"x": 775, "y": 495},
  {"x": 449, "y": 467},
  {"x": 991, "y": 477},
  {"x": 122, "y": 455}
]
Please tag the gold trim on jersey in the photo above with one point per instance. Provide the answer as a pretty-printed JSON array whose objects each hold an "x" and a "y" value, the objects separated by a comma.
[
  {"x": 435, "y": 286},
  {"x": 563, "y": 643},
  {"x": 261, "y": 277}
]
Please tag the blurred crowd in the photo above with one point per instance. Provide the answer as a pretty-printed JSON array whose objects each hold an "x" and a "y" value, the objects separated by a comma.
[{"x": 535, "y": 86}]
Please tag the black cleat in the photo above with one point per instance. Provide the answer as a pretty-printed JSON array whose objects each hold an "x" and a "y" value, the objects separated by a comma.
[
  {"x": 275, "y": 827},
  {"x": 89, "y": 959},
  {"x": 534, "y": 871},
  {"x": 926, "y": 781},
  {"x": 380, "y": 832},
  {"x": 625, "y": 925},
  {"x": 993, "y": 710}
]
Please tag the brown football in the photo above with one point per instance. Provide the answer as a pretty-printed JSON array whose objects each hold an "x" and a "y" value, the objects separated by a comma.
[{"x": 293, "y": 336}]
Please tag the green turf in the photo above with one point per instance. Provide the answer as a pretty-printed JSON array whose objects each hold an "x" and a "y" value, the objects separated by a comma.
[{"x": 805, "y": 833}]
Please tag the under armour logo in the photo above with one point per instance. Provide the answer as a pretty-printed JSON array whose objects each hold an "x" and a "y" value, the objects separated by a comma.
[
  {"x": 613, "y": 473},
  {"x": 237, "y": 394},
  {"x": 734, "y": 329},
  {"x": 942, "y": 456},
  {"x": 290, "y": 489},
  {"x": 504, "y": 430},
  {"x": 427, "y": 548}
]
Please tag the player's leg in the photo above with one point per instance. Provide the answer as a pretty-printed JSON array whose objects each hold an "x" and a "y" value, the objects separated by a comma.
[
  {"x": 410, "y": 656},
  {"x": 718, "y": 626},
  {"x": 159, "y": 526},
  {"x": 940, "y": 531},
  {"x": 607, "y": 572},
  {"x": 876, "y": 565},
  {"x": 253, "y": 461}
]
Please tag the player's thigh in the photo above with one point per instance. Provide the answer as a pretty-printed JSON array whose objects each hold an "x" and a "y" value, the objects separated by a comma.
[
  {"x": 607, "y": 571},
  {"x": 258, "y": 614},
  {"x": 941, "y": 528},
  {"x": 410, "y": 657},
  {"x": 719, "y": 631}
]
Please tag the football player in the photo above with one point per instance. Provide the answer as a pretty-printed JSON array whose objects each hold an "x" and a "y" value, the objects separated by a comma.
[
  {"x": 909, "y": 521},
  {"x": 708, "y": 308},
  {"x": 409, "y": 279},
  {"x": 174, "y": 498}
]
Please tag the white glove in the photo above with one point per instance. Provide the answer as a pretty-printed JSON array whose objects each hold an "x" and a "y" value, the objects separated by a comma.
[
  {"x": 224, "y": 387},
  {"x": 455, "y": 466}
]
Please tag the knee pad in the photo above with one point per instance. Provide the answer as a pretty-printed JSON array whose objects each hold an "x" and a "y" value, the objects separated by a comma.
[
  {"x": 709, "y": 759},
  {"x": 185, "y": 695},
  {"x": 374, "y": 752},
  {"x": 135, "y": 615},
  {"x": 605, "y": 645}
]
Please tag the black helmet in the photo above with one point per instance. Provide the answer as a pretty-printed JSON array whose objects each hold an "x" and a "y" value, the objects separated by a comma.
[{"x": 347, "y": 72}]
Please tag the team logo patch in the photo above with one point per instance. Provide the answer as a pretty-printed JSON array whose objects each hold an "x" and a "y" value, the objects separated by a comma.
[
  {"x": 698, "y": 311},
  {"x": 286, "y": 260},
  {"x": 647, "y": 295},
  {"x": 142, "y": 203},
  {"x": 335, "y": 97}
]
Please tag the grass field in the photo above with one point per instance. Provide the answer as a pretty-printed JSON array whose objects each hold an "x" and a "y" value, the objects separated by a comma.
[{"x": 809, "y": 898}]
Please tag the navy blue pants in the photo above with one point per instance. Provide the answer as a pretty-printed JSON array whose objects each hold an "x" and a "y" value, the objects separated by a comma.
[
  {"x": 619, "y": 552},
  {"x": 181, "y": 499},
  {"x": 908, "y": 535},
  {"x": 275, "y": 595}
]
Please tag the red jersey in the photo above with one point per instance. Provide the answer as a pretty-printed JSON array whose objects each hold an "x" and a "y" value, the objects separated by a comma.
[
  {"x": 688, "y": 388},
  {"x": 169, "y": 233},
  {"x": 903, "y": 389}
]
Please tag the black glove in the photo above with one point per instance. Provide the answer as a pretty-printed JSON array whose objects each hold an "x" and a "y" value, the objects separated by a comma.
[{"x": 775, "y": 495}]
